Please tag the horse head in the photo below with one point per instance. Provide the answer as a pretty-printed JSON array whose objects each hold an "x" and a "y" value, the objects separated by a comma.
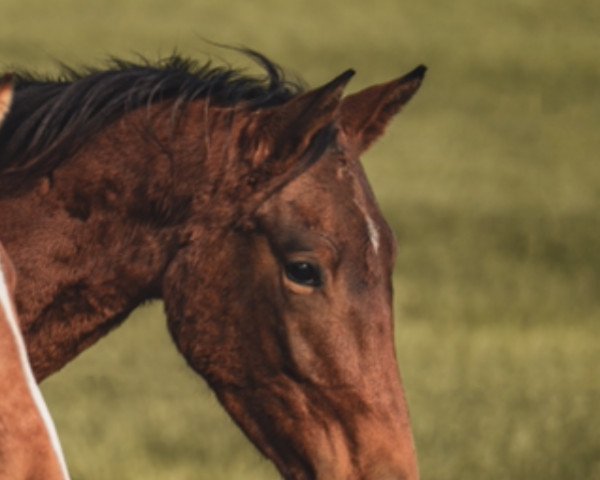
[{"x": 284, "y": 305}]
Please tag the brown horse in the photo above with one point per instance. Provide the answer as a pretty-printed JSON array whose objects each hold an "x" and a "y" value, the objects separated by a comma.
[
  {"x": 241, "y": 202},
  {"x": 29, "y": 447}
]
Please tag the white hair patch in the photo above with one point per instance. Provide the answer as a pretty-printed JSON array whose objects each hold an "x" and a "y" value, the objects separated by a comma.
[{"x": 373, "y": 233}]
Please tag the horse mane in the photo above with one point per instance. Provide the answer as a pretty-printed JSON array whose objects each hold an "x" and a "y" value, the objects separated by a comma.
[{"x": 52, "y": 117}]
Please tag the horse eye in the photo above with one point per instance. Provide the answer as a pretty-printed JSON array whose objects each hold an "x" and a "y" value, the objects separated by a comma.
[{"x": 304, "y": 273}]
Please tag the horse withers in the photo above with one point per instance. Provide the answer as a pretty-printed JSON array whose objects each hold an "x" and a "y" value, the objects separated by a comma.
[
  {"x": 29, "y": 447},
  {"x": 242, "y": 204}
]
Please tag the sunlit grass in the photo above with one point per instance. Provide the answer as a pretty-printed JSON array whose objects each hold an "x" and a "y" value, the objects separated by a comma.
[
  {"x": 490, "y": 179},
  {"x": 509, "y": 402}
]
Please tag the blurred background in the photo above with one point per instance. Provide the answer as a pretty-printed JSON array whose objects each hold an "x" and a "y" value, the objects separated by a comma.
[{"x": 490, "y": 179}]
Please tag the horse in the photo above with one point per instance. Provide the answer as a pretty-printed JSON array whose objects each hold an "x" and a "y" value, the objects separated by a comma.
[
  {"x": 29, "y": 446},
  {"x": 240, "y": 201}
]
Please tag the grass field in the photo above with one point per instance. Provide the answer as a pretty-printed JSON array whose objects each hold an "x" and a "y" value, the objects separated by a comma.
[{"x": 491, "y": 180}]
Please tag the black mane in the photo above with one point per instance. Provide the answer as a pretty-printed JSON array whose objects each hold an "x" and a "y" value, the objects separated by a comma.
[{"x": 50, "y": 118}]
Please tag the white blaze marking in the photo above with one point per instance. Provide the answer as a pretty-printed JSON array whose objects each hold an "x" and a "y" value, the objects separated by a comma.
[
  {"x": 360, "y": 201},
  {"x": 7, "y": 307},
  {"x": 373, "y": 233}
]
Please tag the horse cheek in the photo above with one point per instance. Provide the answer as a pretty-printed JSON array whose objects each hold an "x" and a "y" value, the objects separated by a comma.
[{"x": 201, "y": 313}]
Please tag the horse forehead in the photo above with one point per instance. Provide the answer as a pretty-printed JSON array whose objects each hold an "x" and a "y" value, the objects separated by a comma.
[
  {"x": 338, "y": 199},
  {"x": 352, "y": 175}
]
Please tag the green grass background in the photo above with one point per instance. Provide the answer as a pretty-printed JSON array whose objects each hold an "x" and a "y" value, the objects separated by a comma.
[{"x": 491, "y": 180}]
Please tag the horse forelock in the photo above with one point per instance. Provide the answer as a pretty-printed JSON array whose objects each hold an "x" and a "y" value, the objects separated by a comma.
[{"x": 52, "y": 118}]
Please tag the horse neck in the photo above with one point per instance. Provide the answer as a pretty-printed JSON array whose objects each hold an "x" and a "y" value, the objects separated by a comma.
[{"x": 91, "y": 241}]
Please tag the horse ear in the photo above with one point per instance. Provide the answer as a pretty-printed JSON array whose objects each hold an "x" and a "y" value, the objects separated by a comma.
[
  {"x": 287, "y": 139},
  {"x": 6, "y": 94},
  {"x": 289, "y": 129},
  {"x": 365, "y": 115}
]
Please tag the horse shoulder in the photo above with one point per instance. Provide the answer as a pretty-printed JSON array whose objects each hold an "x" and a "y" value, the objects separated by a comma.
[{"x": 29, "y": 445}]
